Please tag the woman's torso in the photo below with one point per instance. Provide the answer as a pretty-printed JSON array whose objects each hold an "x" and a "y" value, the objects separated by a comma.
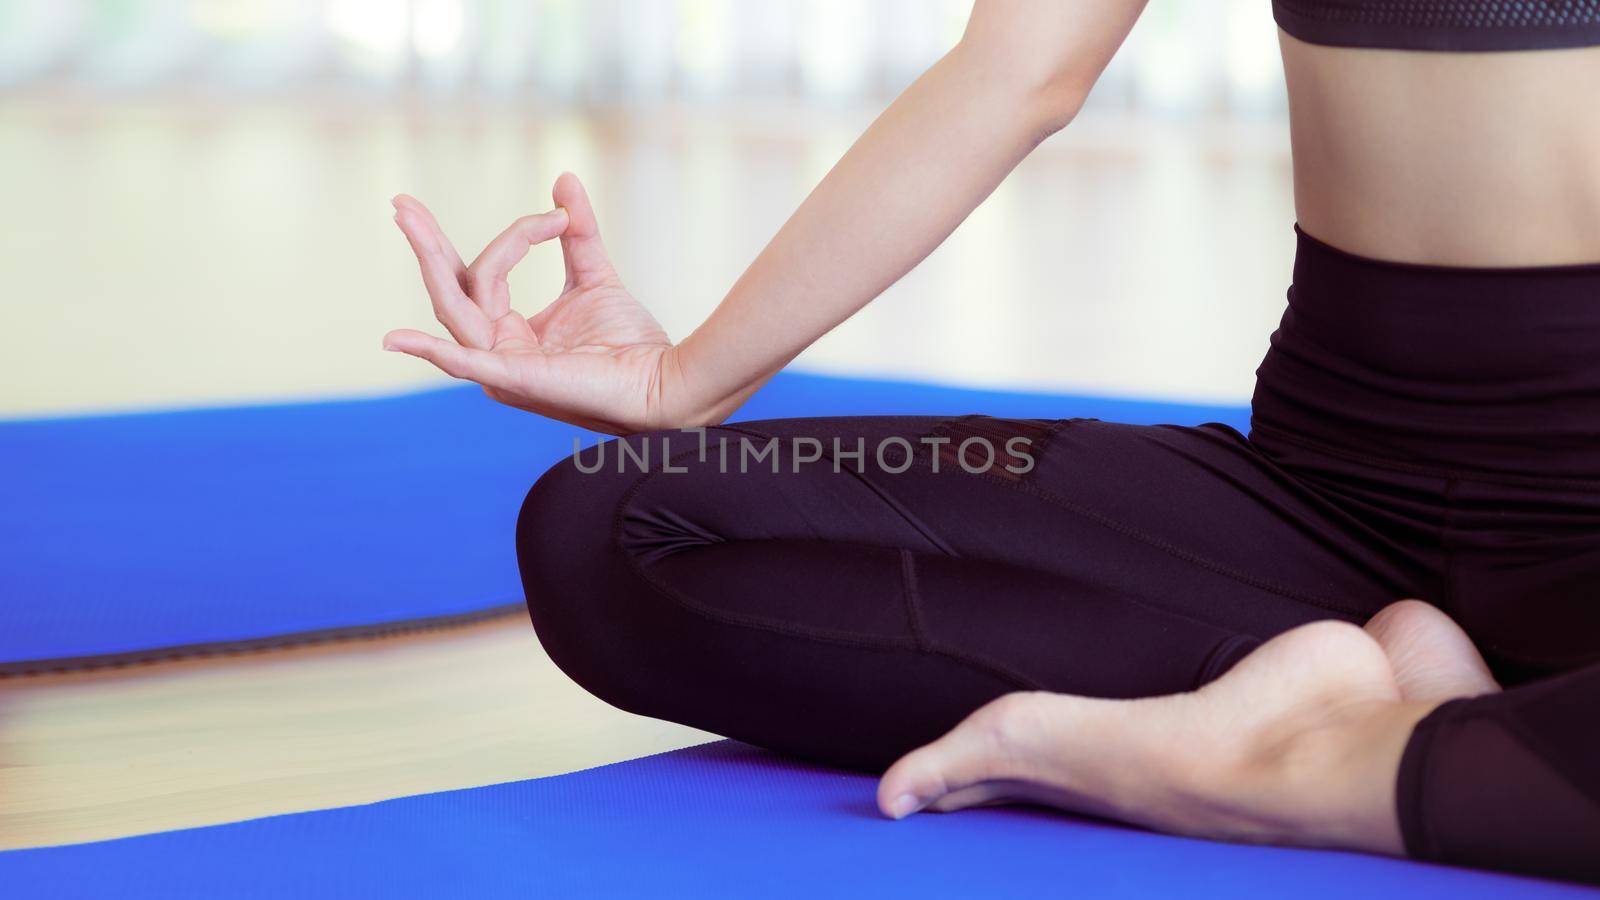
[
  {"x": 1479, "y": 159},
  {"x": 1451, "y": 413}
]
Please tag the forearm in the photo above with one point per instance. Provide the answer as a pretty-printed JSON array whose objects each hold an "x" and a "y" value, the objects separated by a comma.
[
  {"x": 915, "y": 174},
  {"x": 1021, "y": 70}
]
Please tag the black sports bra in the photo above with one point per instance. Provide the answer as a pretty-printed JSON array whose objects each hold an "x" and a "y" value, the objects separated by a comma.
[{"x": 1446, "y": 25}]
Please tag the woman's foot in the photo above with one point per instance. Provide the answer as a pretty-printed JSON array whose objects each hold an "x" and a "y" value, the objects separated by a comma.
[
  {"x": 1299, "y": 743},
  {"x": 1432, "y": 658}
]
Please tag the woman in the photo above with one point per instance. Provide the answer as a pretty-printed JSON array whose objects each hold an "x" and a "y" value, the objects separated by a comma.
[{"x": 1182, "y": 628}]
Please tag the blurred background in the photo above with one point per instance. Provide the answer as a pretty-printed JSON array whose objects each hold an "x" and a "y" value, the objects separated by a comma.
[{"x": 197, "y": 190}]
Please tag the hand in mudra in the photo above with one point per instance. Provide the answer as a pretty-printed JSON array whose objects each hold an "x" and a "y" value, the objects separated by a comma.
[{"x": 594, "y": 357}]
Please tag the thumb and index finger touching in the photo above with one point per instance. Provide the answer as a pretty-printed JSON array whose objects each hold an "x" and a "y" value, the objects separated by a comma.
[{"x": 468, "y": 299}]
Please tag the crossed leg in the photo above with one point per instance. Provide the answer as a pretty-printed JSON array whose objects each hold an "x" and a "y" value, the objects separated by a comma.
[
  {"x": 1297, "y": 744},
  {"x": 1153, "y": 623},
  {"x": 851, "y": 614}
]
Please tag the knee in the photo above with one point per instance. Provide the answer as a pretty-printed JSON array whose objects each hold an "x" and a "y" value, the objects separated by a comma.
[
  {"x": 564, "y": 546},
  {"x": 563, "y": 514},
  {"x": 580, "y": 588}
]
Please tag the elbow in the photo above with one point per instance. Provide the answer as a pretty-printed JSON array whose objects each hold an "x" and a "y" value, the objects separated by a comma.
[
  {"x": 1047, "y": 53},
  {"x": 1047, "y": 95},
  {"x": 1052, "y": 105}
]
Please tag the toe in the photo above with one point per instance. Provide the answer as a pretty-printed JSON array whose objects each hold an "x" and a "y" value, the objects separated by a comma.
[{"x": 988, "y": 746}]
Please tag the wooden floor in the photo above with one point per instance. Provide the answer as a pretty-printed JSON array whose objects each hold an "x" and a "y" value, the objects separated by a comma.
[
  {"x": 149, "y": 748},
  {"x": 177, "y": 253}
]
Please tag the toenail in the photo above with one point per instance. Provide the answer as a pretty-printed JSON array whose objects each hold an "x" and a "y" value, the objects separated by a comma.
[{"x": 904, "y": 805}]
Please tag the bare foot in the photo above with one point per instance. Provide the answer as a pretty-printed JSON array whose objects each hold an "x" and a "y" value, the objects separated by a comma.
[
  {"x": 1299, "y": 743},
  {"x": 1432, "y": 658}
]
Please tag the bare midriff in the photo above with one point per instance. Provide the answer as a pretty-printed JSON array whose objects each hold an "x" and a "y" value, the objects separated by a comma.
[{"x": 1455, "y": 159}]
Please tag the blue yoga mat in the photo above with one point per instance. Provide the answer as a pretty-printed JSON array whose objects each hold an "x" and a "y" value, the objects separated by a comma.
[
  {"x": 131, "y": 537},
  {"x": 722, "y": 820}
]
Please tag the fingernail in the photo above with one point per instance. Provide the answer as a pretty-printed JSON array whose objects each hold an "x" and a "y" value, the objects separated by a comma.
[
  {"x": 390, "y": 347},
  {"x": 904, "y": 805}
]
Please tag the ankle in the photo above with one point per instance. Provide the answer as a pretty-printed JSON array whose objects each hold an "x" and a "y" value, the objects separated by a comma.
[{"x": 1328, "y": 780}]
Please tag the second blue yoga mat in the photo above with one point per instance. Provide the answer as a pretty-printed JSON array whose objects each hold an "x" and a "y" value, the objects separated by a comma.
[
  {"x": 723, "y": 820},
  {"x": 130, "y": 535}
]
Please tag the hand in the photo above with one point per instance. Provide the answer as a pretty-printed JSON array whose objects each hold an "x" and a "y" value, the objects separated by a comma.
[
  {"x": 1299, "y": 743},
  {"x": 594, "y": 357}
]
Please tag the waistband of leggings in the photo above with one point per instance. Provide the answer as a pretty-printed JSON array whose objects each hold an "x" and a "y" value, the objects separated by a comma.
[
  {"x": 1493, "y": 371},
  {"x": 1470, "y": 289}
]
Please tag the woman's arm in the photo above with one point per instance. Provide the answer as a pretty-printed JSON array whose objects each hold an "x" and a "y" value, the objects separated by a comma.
[
  {"x": 597, "y": 358},
  {"x": 1020, "y": 72}
]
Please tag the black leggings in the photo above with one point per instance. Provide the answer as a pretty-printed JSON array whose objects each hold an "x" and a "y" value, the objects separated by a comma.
[{"x": 847, "y": 589}]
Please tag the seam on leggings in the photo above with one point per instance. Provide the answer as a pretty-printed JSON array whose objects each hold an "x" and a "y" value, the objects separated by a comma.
[
  {"x": 985, "y": 426},
  {"x": 1484, "y": 477},
  {"x": 1104, "y": 521},
  {"x": 1460, "y": 711},
  {"x": 908, "y": 582},
  {"x": 1210, "y": 667},
  {"x": 1393, "y": 574},
  {"x": 1411, "y": 787},
  {"x": 682, "y": 600},
  {"x": 1447, "y": 544},
  {"x": 988, "y": 667},
  {"x": 910, "y": 520},
  {"x": 1512, "y": 724},
  {"x": 1173, "y": 550},
  {"x": 908, "y": 592}
]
